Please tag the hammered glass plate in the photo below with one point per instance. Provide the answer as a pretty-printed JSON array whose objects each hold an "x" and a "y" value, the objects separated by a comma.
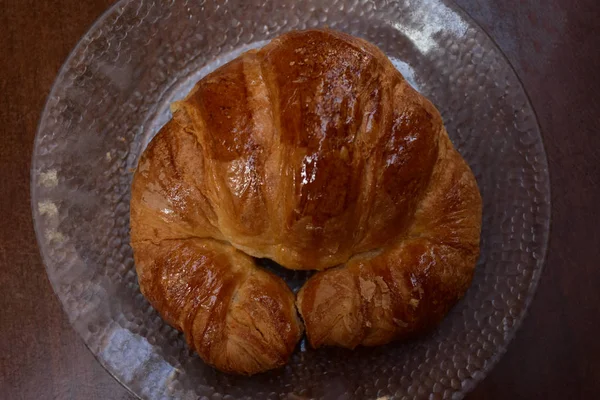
[{"x": 111, "y": 97}]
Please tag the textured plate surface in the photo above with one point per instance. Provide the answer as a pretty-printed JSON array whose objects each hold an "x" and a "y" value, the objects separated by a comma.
[{"x": 112, "y": 96}]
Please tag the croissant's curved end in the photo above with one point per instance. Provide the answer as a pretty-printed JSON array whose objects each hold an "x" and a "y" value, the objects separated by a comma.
[
  {"x": 239, "y": 318},
  {"x": 410, "y": 285}
]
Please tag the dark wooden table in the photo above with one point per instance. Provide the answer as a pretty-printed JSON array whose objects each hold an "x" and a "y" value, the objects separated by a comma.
[{"x": 555, "y": 47}]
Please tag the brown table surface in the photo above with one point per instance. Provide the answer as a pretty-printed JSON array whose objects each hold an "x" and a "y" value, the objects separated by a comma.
[{"x": 554, "y": 46}]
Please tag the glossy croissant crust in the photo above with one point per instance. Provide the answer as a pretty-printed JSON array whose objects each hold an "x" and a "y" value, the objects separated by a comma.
[{"x": 316, "y": 153}]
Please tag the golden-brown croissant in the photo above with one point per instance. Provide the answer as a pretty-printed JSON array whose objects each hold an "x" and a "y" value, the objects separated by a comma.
[{"x": 316, "y": 153}]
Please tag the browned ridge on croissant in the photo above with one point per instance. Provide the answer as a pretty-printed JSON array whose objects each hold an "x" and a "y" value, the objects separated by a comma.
[{"x": 316, "y": 153}]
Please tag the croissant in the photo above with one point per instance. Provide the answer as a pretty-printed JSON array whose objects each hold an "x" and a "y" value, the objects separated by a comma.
[{"x": 316, "y": 153}]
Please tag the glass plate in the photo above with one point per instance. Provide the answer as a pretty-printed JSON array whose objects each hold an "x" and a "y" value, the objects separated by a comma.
[{"x": 112, "y": 96}]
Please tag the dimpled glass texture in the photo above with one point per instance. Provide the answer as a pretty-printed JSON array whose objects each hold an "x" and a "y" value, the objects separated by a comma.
[{"x": 112, "y": 96}]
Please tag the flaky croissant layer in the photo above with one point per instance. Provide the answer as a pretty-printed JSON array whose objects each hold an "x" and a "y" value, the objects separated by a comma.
[{"x": 316, "y": 153}]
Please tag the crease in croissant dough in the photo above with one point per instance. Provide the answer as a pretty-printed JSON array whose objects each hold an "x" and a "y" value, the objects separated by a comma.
[{"x": 316, "y": 153}]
